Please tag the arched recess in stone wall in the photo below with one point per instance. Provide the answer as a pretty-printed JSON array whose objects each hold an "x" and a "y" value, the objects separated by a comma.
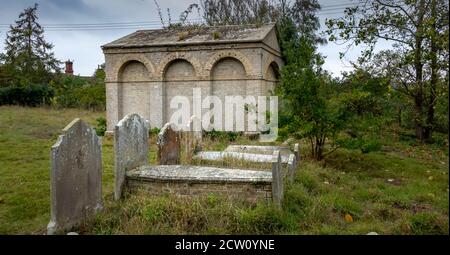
[
  {"x": 271, "y": 77},
  {"x": 116, "y": 69},
  {"x": 249, "y": 70},
  {"x": 179, "y": 77},
  {"x": 134, "y": 90},
  {"x": 169, "y": 58},
  {"x": 229, "y": 78}
]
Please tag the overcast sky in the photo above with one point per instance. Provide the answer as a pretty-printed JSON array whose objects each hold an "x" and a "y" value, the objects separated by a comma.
[{"x": 91, "y": 25}]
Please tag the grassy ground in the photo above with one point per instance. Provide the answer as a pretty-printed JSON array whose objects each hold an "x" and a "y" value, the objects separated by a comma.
[{"x": 400, "y": 190}]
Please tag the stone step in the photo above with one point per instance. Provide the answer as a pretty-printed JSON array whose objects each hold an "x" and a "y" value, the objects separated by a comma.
[
  {"x": 198, "y": 174},
  {"x": 251, "y": 157}
]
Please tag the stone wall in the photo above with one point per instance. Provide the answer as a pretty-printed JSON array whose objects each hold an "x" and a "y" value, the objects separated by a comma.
[
  {"x": 251, "y": 192},
  {"x": 229, "y": 69}
]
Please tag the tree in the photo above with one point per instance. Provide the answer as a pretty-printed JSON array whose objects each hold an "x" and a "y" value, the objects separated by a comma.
[
  {"x": 306, "y": 106},
  {"x": 309, "y": 105},
  {"x": 28, "y": 58},
  {"x": 418, "y": 30},
  {"x": 239, "y": 12}
]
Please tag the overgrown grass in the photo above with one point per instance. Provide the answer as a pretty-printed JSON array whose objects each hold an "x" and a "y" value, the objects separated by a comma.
[
  {"x": 26, "y": 135},
  {"x": 392, "y": 191}
]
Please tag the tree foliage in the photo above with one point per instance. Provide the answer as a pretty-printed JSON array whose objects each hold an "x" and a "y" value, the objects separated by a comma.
[
  {"x": 418, "y": 63},
  {"x": 28, "y": 58},
  {"x": 80, "y": 92}
]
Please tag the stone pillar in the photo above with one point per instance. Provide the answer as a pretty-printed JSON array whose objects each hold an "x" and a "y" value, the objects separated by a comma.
[
  {"x": 130, "y": 148},
  {"x": 292, "y": 166},
  {"x": 253, "y": 89},
  {"x": 277, "y": 179},
  {"x": 157, "y": 108},
  {"x": 168, "y": 145},
  {"x": 113, "y": 105},
  {"x": 76, "y": 177}
]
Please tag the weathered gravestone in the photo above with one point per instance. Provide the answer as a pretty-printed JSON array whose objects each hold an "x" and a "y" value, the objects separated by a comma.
[
  {"x": 277, "y": 179},
  {"x": 297, "y": 151},
  {"x": 131, "y": 148},
  {"x": 76, "y": 177},
  {"x": 168, "y": 145},
  {"x": 192, "y": 137}
]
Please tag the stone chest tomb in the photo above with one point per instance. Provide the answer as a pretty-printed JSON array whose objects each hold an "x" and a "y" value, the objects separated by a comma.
[{"x": 148, "y": 68}]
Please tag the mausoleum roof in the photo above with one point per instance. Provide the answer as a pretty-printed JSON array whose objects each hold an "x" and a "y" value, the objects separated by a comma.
[{"x": 193, "y": 35}]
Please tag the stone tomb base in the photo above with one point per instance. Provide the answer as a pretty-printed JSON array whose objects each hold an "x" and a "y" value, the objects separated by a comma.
[{"x": 187, "y": 180}]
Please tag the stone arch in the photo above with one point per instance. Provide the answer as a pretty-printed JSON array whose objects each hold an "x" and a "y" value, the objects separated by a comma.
[
  {"x": 228, "y": 68},
  {"x": 271, "y": 76},
  {"x": 249, "y": 70},
  {"x": 134, "y": 89},
  {"x": 133, "y": 71},
  {"x": 272, "y": 72},
  {"x": 228, "y": 79},
  {"x": 271, "y": 61},
  {"x": 116, "y": 69},
  {"x": 178, "y": 69},
  {"x": 169, "y": 58},
  {"x": 178, "y": 79}
]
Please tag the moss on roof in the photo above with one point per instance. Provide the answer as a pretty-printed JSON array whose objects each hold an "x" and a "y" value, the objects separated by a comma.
[{"x": 192, "y": 35}]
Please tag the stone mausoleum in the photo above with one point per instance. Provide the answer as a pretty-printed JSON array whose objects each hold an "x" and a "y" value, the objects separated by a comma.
[{"x": 146, "y": 69}]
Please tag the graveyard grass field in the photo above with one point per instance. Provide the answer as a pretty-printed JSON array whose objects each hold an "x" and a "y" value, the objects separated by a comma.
[{"x": 402, "y": 190}]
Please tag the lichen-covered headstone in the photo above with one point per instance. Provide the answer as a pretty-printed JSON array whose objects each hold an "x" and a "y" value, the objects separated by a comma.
[
  {"x": 131, "y": 148},
  {"x": 292, "y": 166},
  {"x": 277, "y": 179},
  {"x": 168, "y": 145},
  {"x": 76, "y": 177}
]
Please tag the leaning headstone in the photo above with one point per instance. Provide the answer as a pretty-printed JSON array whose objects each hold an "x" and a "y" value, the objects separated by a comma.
[
  {"x": 297, "y": 151},
  {"x": 192, "y": 137},
  {"x": 130, "y": 147},
  {"x": 292, "y": 166},
  {"x": 168, "y": 145},
  {"x": 76, "y": 177},
  {"x": 277, "y": 179}
]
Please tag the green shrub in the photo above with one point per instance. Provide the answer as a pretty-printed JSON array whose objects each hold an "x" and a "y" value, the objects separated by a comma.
[
  {"x": 232, "y": 136},
  {"x": 78, "y": 92},
  {"x": 101, "y": 126},
  {"x": 370, "y": 145},
  {"x": 350, "y": 143},
  {"x": 31, "y": 95},
  {"x": 216, "y": 135},
  {"x": 154, "y": 131},
  {"x": 365, "y": 145}
]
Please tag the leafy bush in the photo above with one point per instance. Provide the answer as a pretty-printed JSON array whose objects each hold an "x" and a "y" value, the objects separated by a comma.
[
  {"x": 77, "y": 92},
  {"x": 32, "y": 95},
  {"x": 101, "y": 126},
  {"x": 370, "y": 145},
  {"x": 154, "y": 131},
  {"x": 366, "y": 145},
  {"x": 232, "y": 136},
  {"x": 92, "y": 97},
  {"x": 220, "y": 135}
]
